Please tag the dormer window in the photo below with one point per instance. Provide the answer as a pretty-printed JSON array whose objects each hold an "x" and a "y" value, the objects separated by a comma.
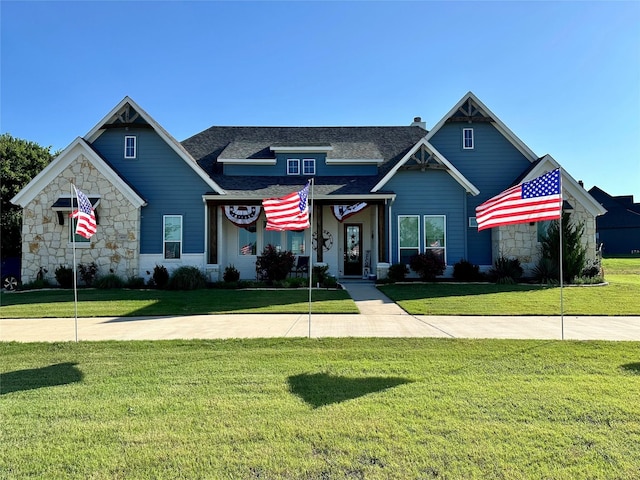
[
  {"x": 467, "y": 138},
  {"x": 309, "y": 166},
  {"x": 293, "y": 166},
  {"x": 130, "y": 149}
]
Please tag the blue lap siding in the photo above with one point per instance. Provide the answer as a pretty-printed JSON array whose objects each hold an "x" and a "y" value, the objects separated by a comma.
[{"x": 163, "y": 178}]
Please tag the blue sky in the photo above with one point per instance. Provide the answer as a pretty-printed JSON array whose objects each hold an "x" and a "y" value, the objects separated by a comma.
[{"x": 563, "y": 76}]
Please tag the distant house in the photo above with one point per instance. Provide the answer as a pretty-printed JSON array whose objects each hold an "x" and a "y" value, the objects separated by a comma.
[
  {"x": 619, "y": 229},
  {"x": 198, "y": 202}
]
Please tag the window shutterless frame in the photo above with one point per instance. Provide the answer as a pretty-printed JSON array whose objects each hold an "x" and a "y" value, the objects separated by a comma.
[
  {"x": 130, "y": 146},
  {"x": 408, "y": 237},
  {"x": 309, "y": 166},
  {"x": 467, "y": 138},
  {"x": 435, "y": 235},
  {"x": 172, "y": 236},
  {"x": 293, "y": 166}
]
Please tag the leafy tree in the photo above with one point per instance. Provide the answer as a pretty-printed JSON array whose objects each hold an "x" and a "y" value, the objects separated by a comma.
[
  {"x": 20, "y": 161},
  {"x": 573, "y": 252}
]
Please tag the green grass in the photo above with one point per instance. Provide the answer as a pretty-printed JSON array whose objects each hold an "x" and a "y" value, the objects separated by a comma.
[
  {"x": 620, "y": 297},
  {"x": 314, "y": 409},
  {"x": 117, "y": 303}
]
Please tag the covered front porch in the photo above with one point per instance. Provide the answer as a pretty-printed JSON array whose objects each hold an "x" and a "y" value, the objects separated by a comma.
[{"x": 350, "y": 242}]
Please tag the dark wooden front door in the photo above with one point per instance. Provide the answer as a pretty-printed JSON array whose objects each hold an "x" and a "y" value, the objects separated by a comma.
[{"x": 353, "y": 249}]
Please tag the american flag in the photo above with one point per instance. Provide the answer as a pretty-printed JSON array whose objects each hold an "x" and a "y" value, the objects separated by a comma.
[
  {"x": 288, "y": 213},
  {"x": 86, "y": 223},
  {"x": 533, "y": 201}
]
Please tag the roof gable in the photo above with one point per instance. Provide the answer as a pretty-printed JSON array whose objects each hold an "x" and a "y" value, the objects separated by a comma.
[
  {"x": 470, "y": 108},
  {"x": 78, "y": 147},
  {"x": 129, "y": 113},
  {"x": 426, "y": 156}
]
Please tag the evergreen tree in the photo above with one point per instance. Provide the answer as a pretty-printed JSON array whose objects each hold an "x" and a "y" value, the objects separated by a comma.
[{"x": 573, "y": 252}]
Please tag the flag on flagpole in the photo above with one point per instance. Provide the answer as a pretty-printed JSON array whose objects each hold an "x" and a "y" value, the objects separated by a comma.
[
  {"x": 86, "y": 218},
  {"x": 533, "y": 201},
  {"x": 288, "y": 213}
]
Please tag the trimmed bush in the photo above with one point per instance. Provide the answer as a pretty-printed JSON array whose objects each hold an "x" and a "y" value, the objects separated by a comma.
[
  {"x": 427, "y": 265},
  {"x": 506, "y": 270},
  {"x": 276, "y": 265},
  {"x": 88, "y": 272},
  {"x": 397, "y": 272},
  {"x": 187, "y": 278},
  {"x": 465, "y": 271},
  {"x": 64, "y": 276},
  {"x": 231, "y": 274},
  {"x": 109, "y": 281},
  {"x": 160, "y": 277}
]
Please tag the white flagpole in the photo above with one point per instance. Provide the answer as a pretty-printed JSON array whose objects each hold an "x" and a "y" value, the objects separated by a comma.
[
  {"x": 318, "y": 245},
  {"x": 75, "y": 283},
  {"x": 561, "y": 268}
]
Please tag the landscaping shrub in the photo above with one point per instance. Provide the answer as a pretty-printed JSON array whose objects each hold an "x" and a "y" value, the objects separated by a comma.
[
  {"x": 88, "y": 272},
  {"x": 64, "y": 276},
  {"x": 160, "y": 277},
  {"x": 506, "y": 270},
  {"x": 275, "y": 264},
  {"x": 187, "y": 278},
  {"x": 135, "y": 283},
  {"x": 231, "y": 274},
  {"x": 397, "y": 272},
  {"x": 298, "y": 282},
  {"x": 465, "y": 271},
  {"x": 109, "y": 281},
  {"x": 546, "y": 271},
  {"x": 36, "y": 284},
  {"x": 427, "y": 265},
  {"x": 573, "y": 252}
]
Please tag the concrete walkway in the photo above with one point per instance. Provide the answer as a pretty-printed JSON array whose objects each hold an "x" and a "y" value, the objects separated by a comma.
[{"x": 379, "y": 317}]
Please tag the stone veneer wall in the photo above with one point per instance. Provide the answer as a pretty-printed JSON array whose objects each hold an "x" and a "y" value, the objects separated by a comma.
[
  {"x": 45, "y": 243},
  {"x": 521, "y": 240}
]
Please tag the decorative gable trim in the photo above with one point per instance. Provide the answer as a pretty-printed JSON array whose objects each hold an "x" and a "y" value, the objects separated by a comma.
[
  {"x": 435, "y": 156},
  {"x": 471, "y": 109},
  {"x": 78, "y": 147},
  {"x": 122, "y": 113},
  {"x": 548, "y": 163}
]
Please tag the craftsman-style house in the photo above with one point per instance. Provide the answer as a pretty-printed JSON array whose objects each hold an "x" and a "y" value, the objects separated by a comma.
[{"x": 379, "y": 195}]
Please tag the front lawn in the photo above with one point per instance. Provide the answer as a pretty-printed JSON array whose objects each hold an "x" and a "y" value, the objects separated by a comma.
[
  {"x": 125, "y": 303},
  {"x": 619, "y": 297},
  {"x": 312, "y": 409}
]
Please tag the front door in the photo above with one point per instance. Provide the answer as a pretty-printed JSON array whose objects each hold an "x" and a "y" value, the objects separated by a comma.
[{"x": 353, "y": 249}]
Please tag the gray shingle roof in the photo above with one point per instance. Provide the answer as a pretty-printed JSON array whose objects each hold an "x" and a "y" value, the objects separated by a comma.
[{"x": 389, "y": 144}]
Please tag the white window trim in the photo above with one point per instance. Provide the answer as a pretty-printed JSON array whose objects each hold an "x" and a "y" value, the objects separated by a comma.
[
  {"x": 400, "y": 248},
  {"x": 290, "y": 162},
  {"x": 313, "y": 164},
  {"x": 464, "y": 146},
  {"x": 135, "y": 146},
  {"x": 164, "y": 242},
  {"x": 444, "y": 226}
]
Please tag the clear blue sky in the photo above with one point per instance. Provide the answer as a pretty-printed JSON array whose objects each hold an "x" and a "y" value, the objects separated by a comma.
[{"x": 564, "y": 76}]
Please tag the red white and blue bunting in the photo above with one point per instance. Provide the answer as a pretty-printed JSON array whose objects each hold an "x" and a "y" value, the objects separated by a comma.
[
  {"x": 342, "y": 212},
  {"x": 242, "y": 215}
]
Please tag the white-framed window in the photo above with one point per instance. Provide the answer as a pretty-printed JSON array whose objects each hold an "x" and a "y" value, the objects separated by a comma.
[
  {"x": 73, "y": 223},
  {"x": 473, "y": 222},
  {"x": 435, "y": 235},
  {"x": 309, "y": 166},
  {"x": 271, "y": 237},
  {"x": 467, "y": 138},
  {"x": 130, "y": 146},
  {"x": 293, "y": 166},
  {"x": 408, "y": 237},
  {"x": 247, "y": 240},
  {"x": 172, "y": 235},
  {"x": 296, "y": 242}
]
